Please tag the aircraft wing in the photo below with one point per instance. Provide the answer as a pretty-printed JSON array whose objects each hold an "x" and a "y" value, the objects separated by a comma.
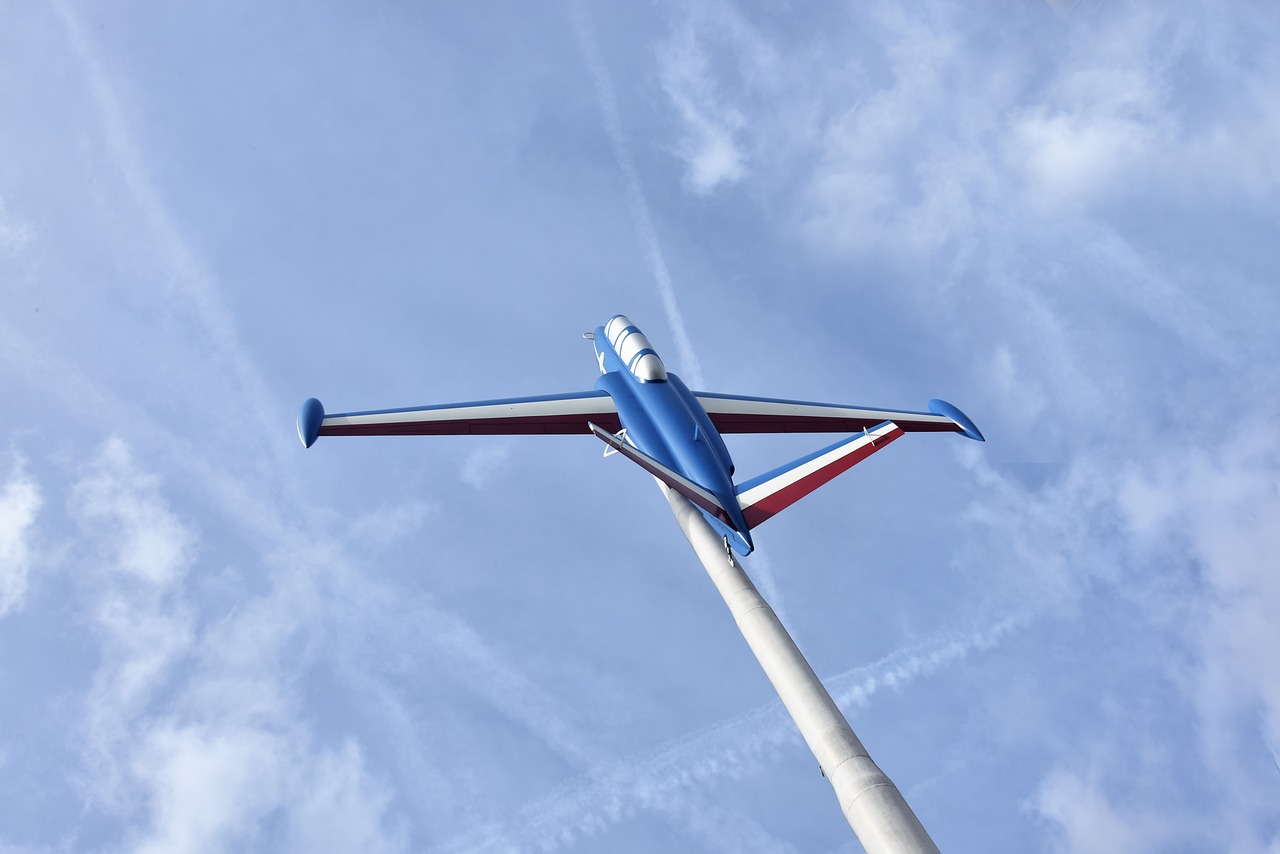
[
  {"x": 769, "y": 494},
  {"x": 556, "y": 413},
  {"x": 735, "y": 414},
  {"x": 681, "y": 484}
]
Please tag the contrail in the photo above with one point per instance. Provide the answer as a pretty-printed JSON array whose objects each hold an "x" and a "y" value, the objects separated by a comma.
[
  {"x": 181, "y": 268},
  {"x": 635, "y": 194},
  {"x": 856, "y": 687},
  {"x": 648, "y": 237},
  {"x": 607, "y": 794}
]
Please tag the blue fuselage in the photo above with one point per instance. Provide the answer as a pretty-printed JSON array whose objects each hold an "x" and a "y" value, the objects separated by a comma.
[{"x": 664, "y": 420}]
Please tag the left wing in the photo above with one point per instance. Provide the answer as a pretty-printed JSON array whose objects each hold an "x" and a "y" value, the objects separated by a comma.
[{"x": 556, "y": 413}]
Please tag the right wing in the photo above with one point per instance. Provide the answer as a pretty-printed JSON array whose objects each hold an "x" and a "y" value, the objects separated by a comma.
[
  {"x": 735, "y": 414},
  {"x": 556, "y": 413}
]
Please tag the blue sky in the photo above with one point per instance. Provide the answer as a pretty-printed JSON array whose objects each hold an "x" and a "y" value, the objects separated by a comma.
[{"x": 1062, "y": 640}]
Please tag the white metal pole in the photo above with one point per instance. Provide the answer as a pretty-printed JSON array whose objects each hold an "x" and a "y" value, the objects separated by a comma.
[{"x": 873, "y": 806}]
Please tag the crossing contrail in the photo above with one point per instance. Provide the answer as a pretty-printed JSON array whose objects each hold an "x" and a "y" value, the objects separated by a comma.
[{"x": 592, "y": 802}]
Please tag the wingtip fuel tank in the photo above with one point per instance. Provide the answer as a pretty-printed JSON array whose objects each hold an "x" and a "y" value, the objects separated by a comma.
[{"x": 310, "y": 417}]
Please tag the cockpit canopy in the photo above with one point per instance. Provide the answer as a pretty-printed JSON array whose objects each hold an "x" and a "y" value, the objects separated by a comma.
[{"x": 634, "y": 350}]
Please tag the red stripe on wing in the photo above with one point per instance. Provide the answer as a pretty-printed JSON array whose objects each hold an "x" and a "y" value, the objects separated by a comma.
[
  {"x": 523, "y": 426},
  {"x": 743, "y": 422},
  {"x": 776, "y": 502}
]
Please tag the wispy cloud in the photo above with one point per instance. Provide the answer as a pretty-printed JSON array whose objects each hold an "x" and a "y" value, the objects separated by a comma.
[
  {"x": 137, "y": 554},
  {"x": 217, "y": 787},
  {"x": 1091, "y": 822},
  {"x": 195, "y": 757},
  {"x": 1183, "y": 527},
  {"x": 19, "y": 503},
  {"x": 482, "y": 465},
  {"x": 1217, "y": 509},
  {"x": 392, "y": 522},
  {"x": 13, "y": 234},
  {"x": 711, "y": 153},
  {"x": 747, "y": 104}
]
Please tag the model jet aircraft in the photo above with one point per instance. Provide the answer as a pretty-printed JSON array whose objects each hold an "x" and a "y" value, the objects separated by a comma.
[{"x": 649, "y": 416}]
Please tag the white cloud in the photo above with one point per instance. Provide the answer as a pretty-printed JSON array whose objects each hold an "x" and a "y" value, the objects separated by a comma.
[
  {"x": 390, "y": 524},
  {"x": 1069, "y": 157},
  {"x": 341, "y": 809},
  {"x": 1053, "y": 543},
  {"x": 138, "y": 553},
  {"x": 1216, "y": 507},
  {"x": 1184, "y": 526},
  {"x": 1100, "y": 119},
  {"x": 215, "y": 788},
  {"x": 13, "y": 234},
  {"x": 926, "y": 127},
  {"x": 748, "y": 105},
  {"x": 1170, "y": 102},
  {"x": 877, "y": 178},
  {"x": 207, "y": 790},
  {"x": 19, "y": 503},
  {"x": 708, "y": 147},
  {"x": 482, "y": 465},
  {"x": 1089, "y": 823},
  {"x": 191, "y": 735},
  {"x": 143, "y": 537}
]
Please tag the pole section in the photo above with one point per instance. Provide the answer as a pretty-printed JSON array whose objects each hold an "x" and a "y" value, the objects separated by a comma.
[{"x": 872, "y": 804}]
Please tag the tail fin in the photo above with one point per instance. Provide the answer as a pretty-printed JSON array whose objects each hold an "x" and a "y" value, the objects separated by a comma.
[{"x": 771, "y": 493}]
